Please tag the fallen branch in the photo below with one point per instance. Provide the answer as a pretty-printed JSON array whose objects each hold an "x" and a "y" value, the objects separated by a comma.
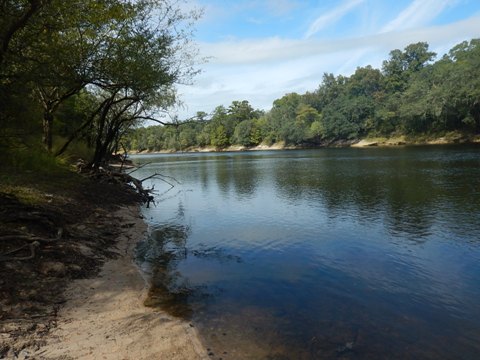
[
  {"x": 168, "y": 177},
  {"x": 161, "y": 177},
  {"x": 138, "y": 168},
  {"x": 145, "y": 194}
]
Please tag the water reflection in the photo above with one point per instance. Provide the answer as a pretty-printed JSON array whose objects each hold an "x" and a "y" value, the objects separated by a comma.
[
  {"x": 403, "y": 189},
  {"x": 159, "y": 257},
  {"x": 405, "y": 192},
  {"x": 338, "y": 253},
  {"x": 245, "y": 178}
]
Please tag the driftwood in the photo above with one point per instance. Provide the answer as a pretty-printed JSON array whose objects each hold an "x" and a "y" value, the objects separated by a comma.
[
  {"x": 145, "y": 194},
  {"x": 109, "y": 173}
]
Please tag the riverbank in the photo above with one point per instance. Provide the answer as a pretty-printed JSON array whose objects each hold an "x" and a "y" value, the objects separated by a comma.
[
  {"x": 68, "y": 285},
  {"x": 447, "y": 139},
  {"x": 104, "y": 317}
]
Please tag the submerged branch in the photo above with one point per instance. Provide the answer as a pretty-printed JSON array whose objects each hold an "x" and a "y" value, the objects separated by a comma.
[{"x": 138, "y": 168}]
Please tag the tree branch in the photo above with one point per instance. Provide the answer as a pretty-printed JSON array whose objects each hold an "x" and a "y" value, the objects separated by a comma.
[
  {"x": 138, "y": 168},
  {"x": 20, "y": 23}
]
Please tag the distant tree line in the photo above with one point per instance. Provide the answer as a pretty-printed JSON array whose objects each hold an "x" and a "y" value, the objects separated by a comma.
[
  {"x": 86, "y": 71},
  {"x": 410, "y": 95}
]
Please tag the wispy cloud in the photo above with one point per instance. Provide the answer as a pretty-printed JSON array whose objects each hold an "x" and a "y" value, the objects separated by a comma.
[
  {"x": 274, "y": 8},
  {"x": 281, "y": 7},
  {"x": 418, "y": 13},
  {"x": 255, "y": 21},
  {"x": 262, "y": 70},
  {"x": 276, "y": 49},
  {"x": 332, "y": 17}
]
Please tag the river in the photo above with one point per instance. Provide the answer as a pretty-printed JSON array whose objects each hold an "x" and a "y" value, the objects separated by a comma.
[{"x": 368, "y": 253}]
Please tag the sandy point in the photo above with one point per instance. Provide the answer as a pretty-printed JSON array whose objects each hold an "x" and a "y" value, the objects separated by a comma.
[{"x": 104, "y": 317}]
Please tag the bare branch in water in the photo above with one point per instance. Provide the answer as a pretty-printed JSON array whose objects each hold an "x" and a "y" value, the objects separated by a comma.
[{"x": 138, "y": 168}]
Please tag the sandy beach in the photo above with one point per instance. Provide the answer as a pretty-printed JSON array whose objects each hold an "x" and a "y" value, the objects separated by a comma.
[{"x": 104, "y": 317}]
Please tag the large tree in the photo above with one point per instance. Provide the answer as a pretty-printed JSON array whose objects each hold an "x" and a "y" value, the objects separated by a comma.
[
  {"x": 128, "y": 54},
  {"x": 138, "y": 66},
  {"x": 403, "y": 64}
]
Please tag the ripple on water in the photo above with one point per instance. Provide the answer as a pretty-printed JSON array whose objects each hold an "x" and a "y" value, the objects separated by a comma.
[{"x": 336, "y": 253}]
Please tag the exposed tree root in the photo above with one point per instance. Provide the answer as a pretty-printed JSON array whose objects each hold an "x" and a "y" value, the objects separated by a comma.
[
  {"x": 34, "y": 243},
  {"x": 44, "y": 243},
  {"x": 146, "y": 195}
]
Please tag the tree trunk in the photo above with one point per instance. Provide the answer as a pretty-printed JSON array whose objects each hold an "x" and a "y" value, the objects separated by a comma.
[{"x": 47, "y": 130}]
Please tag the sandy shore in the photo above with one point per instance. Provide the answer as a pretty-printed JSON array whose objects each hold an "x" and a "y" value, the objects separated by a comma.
[{"x": 104, "y": 317}]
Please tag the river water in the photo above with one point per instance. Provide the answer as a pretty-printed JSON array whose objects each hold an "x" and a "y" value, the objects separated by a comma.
[{"x": 320, "y": 254}]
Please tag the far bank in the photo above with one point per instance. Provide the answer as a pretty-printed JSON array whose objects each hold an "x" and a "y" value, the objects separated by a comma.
[{"x": 447, "y": 139}]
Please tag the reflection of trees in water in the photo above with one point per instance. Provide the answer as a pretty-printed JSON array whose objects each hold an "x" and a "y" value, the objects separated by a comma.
[
  {"x": 238, "y": 174},
  {"x": 245, "y": 178},
  {"x": 204, "y": 173},
  {"x": 407, "y": 193},
  {"x": 223, "y": 171},
  {"x": 214, "y": 253},
  {"x": 409, "y": 190},
  {"x": 159, "y": 256}
]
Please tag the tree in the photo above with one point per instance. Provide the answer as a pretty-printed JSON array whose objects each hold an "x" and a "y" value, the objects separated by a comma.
[
  {"x": 17, "y": 113},
  {"x": 219, "y": 137},
  {"x": 14, "y": 17},
  {"x": 53, "y": 52},
  {"x": 402, "y": 65},
  {"x": 129, "y": 55},
  {"x": 410, "y": 95},
  {"x": 139, "y": 64},
  {"x": 465, "y": 79},
  {"x": 282, "y": 118},
  {"x": 243, "y": 133}
]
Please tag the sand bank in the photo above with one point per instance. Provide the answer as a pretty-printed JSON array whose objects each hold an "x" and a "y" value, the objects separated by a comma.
[{"x": 104, "y": 317}]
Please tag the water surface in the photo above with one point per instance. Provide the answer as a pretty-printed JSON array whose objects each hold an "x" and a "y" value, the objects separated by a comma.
[{"x": 330, "y": 253}]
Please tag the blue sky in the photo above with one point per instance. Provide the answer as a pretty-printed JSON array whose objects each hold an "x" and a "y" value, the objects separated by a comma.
[{"x": 261, "y": 50}]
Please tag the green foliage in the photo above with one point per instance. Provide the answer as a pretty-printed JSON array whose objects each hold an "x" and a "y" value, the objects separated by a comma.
[
  {"x": 219, "y": 137},
  {"x": 21, "y": 159},
  {"x": 410, "y": 95},
  {"x": 243, "y": 133},
  {"x": 88, "y": 71}
]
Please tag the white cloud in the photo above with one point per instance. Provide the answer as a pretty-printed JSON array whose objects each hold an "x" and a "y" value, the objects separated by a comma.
[
  {"x": 332, "y": 17},
  {"x": 262, "y": 70},
  {"x": 418, "y": 13},
  {"x": 275, "y": 49}
]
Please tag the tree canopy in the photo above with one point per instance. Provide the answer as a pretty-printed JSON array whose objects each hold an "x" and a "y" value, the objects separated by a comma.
[
  {"x": 410, "y": 95},
  {"x": 89, "y": 70}
]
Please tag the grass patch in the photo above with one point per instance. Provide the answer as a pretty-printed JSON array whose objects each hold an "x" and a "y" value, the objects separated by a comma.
[
  {"x": 76, "y": 150},
  {"x": 32, "y": 176}
]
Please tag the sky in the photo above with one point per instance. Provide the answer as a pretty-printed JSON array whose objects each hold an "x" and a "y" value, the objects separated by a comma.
[{"x": 261, "y": 50}]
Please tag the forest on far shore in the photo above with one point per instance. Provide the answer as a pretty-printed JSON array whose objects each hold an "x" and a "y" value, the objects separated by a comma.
[{"x": 411, "y": 95}]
